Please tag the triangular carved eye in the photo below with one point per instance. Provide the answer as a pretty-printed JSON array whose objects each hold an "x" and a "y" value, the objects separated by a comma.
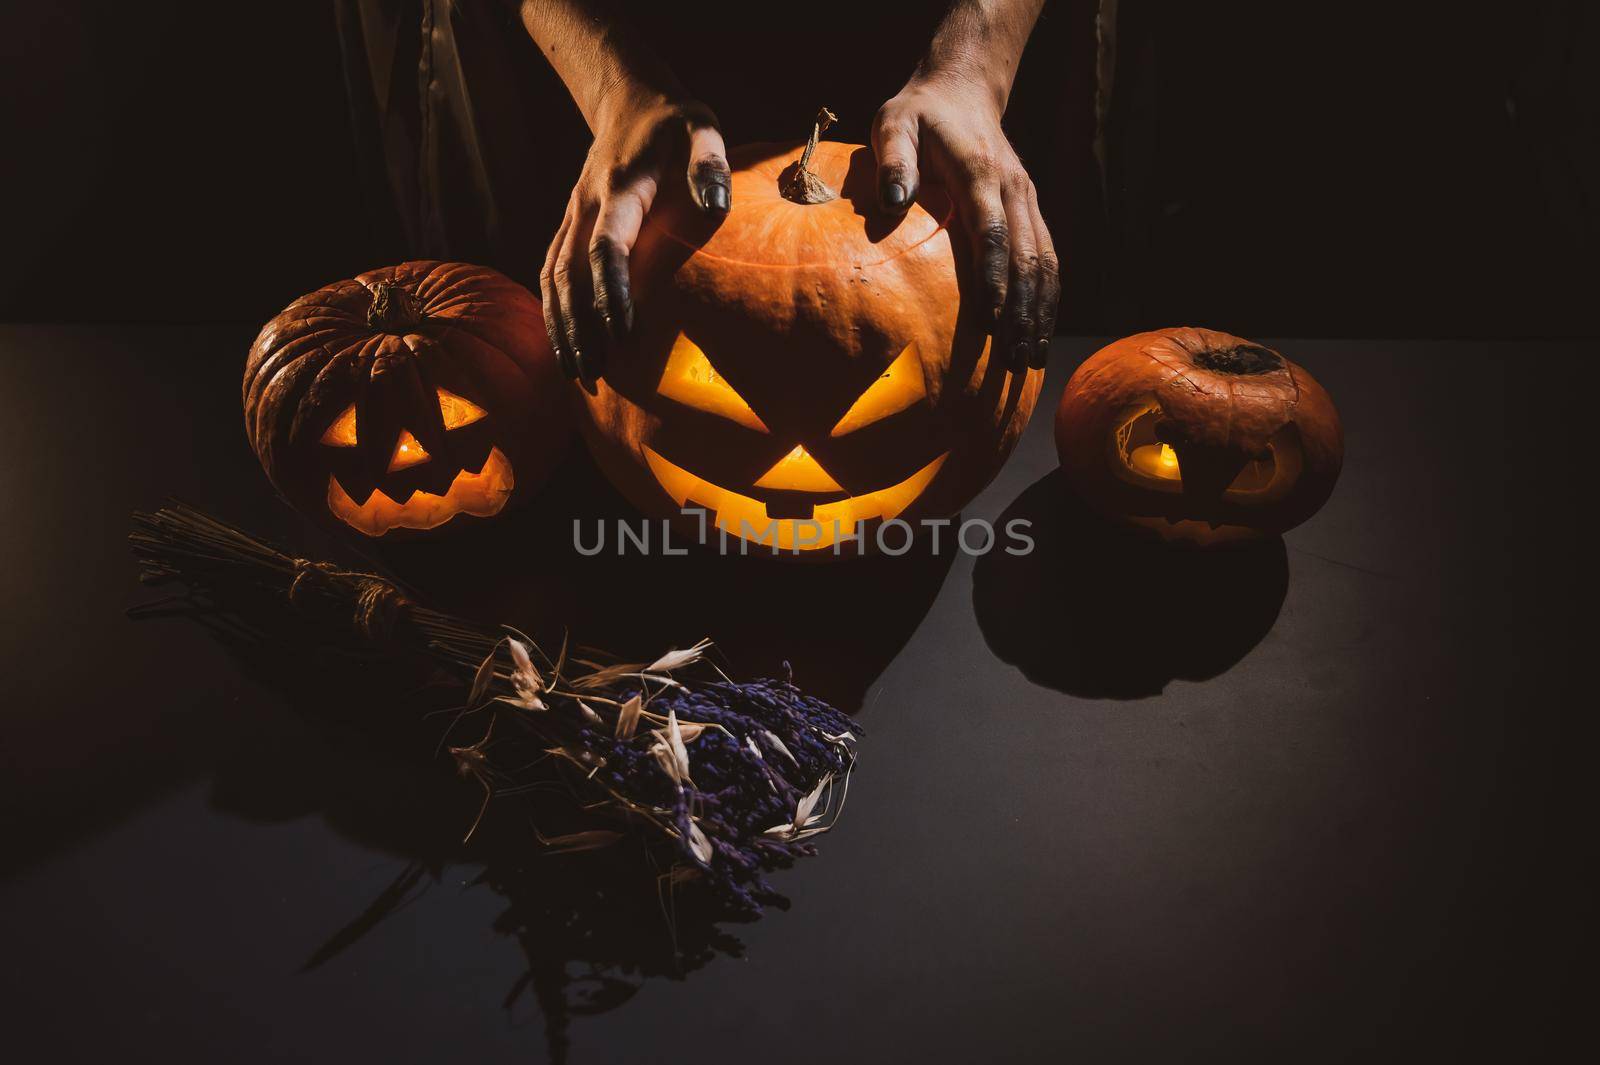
[
  {"x": 342, "y": 433},
  {"x": 691, "y": 380},
  {"x": 900, "y": 386},
  {"x": 457, "y": 411}
]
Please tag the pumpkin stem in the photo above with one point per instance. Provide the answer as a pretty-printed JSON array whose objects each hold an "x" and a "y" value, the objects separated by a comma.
[
  {"x": 394, "y": 309},
  {"x": 797, "y": 182}
]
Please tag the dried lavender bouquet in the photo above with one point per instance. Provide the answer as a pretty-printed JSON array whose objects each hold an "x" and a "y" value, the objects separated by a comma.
[{"x": 730, "y": 779}]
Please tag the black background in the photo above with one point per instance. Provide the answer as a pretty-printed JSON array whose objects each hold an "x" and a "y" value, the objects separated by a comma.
[{"x": 1307, "y": 169}]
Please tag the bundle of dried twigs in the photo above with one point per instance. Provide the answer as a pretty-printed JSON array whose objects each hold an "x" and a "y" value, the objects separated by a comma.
[{"x": 732, "y": 778}]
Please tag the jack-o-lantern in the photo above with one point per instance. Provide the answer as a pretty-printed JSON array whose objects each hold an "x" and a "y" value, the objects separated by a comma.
[
  {"x": 801, "y": 371},
  {"x": 406, "y": 397},
  {"x": 1199, "y": 436}
]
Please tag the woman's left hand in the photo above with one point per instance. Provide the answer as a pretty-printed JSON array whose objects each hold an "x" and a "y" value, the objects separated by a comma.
[{"x": 948, "y": 127}]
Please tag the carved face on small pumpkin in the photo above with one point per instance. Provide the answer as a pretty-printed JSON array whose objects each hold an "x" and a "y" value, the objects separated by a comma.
[
  {"x": 406, "y": 398},
  {"x": 803, "y": 367},
  {"x": 1198, "y": 436}
]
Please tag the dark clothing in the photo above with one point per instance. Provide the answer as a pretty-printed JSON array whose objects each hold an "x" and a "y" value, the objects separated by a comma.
[{"x": 461, "y": 118}]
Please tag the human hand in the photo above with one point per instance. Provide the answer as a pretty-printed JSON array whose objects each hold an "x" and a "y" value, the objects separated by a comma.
[
  {"x": 640, "y": 140},
  {"x": 948, "y": 127}
]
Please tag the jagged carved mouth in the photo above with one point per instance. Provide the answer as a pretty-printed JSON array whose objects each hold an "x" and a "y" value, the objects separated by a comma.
[
  {"x": 747, "y": 517},
  {"x": 481, "y": 494}
]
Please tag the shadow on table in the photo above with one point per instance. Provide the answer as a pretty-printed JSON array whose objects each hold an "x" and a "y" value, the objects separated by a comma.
[
  {"x": 592, "y": 926},
  {"x": 1092, "y": 611},
  {"x": 837, "y": 623},
  {"x": 351, "y": 741}
]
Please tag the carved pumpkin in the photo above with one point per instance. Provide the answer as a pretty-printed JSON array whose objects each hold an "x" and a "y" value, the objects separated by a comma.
[
  {"x": 406, "y": 397},
  {"x": 803, "y": 367},
  {"x": 1199, "y": 436}
]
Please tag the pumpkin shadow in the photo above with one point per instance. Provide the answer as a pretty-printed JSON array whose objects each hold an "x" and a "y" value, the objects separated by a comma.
[
  {"x": 837, "y": 624},
  {"x": 594, "y": 927},
  {"x": 1096, "y": 612}
]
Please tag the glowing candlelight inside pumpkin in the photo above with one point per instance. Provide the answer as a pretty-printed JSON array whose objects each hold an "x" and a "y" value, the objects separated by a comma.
[
  {"x": 1155, "y": 460},
  {"x": 408, "y": 452}
]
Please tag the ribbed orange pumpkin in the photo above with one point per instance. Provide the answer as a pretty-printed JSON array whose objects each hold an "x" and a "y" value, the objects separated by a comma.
[
  {"x": 1199, "y": 437},
  {"x": 407, "y": 397},
  {"x": 799, "y": 367}
]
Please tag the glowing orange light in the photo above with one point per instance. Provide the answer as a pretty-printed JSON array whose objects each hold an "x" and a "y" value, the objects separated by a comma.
[
  {"x": 342, "y": 433},
  {"x": 798, "y": 472},
  {"x": 480, "y": 494},
  {"x": 457, "y": 411},
  {"x": 1156, "y": 460},
  {"x": 740, "y": 515},
  {"x": 408, "y": 451},
  {"x": 690, "y": 379},
  {"x": 898, "y": 387}
]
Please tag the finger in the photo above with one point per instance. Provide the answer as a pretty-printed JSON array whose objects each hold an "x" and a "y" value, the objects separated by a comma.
[
  {"x": 983, "y": 213},
  {"x": 616, "y": 229},
  {"x": 710, "y": 182},
  {"x": 555, "y": 325},
  {"x": 1049, "y": 283},
  {"x": 894, "y": 145},
  {"x": 1020, "y": 324},
  {"x": 571, "y": 279}
]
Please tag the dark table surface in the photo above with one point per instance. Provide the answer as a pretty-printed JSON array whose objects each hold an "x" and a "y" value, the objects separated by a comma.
[{"x": 1288, "y": 805}]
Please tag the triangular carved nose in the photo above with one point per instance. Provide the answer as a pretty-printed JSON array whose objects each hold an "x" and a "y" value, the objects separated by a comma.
[
  {"x": 408, "y": 451},
  {"x": 798, "y": 472}
]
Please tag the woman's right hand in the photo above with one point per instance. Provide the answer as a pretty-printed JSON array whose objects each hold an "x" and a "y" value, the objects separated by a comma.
[{"x": 641, "y": 139}]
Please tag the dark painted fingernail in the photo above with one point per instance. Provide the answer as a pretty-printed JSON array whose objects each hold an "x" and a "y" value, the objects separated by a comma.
[
  {"x": 716, "y": 197},
  {"x": 1041, "y": 352},
  {"x": 894, "y": 196}
]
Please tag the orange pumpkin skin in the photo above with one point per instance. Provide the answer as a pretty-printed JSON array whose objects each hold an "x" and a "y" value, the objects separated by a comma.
[
  {"x": 1255, "y": 443},
  {"x": 799, "y": 308},
  {"x": 398, "y": 402}
]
